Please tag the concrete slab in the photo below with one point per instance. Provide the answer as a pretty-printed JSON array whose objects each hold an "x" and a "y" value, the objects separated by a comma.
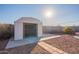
[
  {"x": 77, "y": 37},
  {"x": 16, "y": 43},
  {"x": 28, "y": 40}
]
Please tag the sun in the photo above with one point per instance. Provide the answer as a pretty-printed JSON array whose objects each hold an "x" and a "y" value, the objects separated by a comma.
[{"x": 48, "y": 13}]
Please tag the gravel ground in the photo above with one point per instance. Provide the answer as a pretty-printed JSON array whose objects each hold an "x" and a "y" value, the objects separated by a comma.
[{"x": 66, "y": 43}]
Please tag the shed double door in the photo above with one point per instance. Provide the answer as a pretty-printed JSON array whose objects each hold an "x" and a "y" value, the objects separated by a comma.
[{"x": 30, "y": 29}]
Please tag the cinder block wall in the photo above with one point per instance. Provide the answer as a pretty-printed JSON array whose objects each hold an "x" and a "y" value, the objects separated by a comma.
[{"x": 57, "y": 29}]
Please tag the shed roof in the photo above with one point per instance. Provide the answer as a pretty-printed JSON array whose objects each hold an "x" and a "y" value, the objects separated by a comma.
[{"x": 28, "y": 19}]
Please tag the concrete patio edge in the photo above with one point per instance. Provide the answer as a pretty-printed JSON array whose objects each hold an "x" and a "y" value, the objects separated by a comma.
[{"x": 17, "y": 43}]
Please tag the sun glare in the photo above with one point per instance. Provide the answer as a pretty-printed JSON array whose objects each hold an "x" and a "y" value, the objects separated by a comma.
[{"x": 48, "y": 13}]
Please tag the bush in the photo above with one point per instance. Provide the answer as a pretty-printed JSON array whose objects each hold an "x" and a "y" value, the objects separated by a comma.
[
  {"x": 6, "y": 31},
  {"x": 68, "y": 30}
]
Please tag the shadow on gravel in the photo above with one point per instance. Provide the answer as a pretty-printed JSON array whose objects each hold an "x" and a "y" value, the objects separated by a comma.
[{"x": 25, "y": 49}]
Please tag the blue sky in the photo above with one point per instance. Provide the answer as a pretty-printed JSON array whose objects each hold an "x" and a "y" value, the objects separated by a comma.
[{"x": 64, "y": 14}]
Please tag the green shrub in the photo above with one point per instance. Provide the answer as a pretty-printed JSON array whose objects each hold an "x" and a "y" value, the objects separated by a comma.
[
  {"x": 6, "y": 31},
  {"x": 68, "y": 30}
]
